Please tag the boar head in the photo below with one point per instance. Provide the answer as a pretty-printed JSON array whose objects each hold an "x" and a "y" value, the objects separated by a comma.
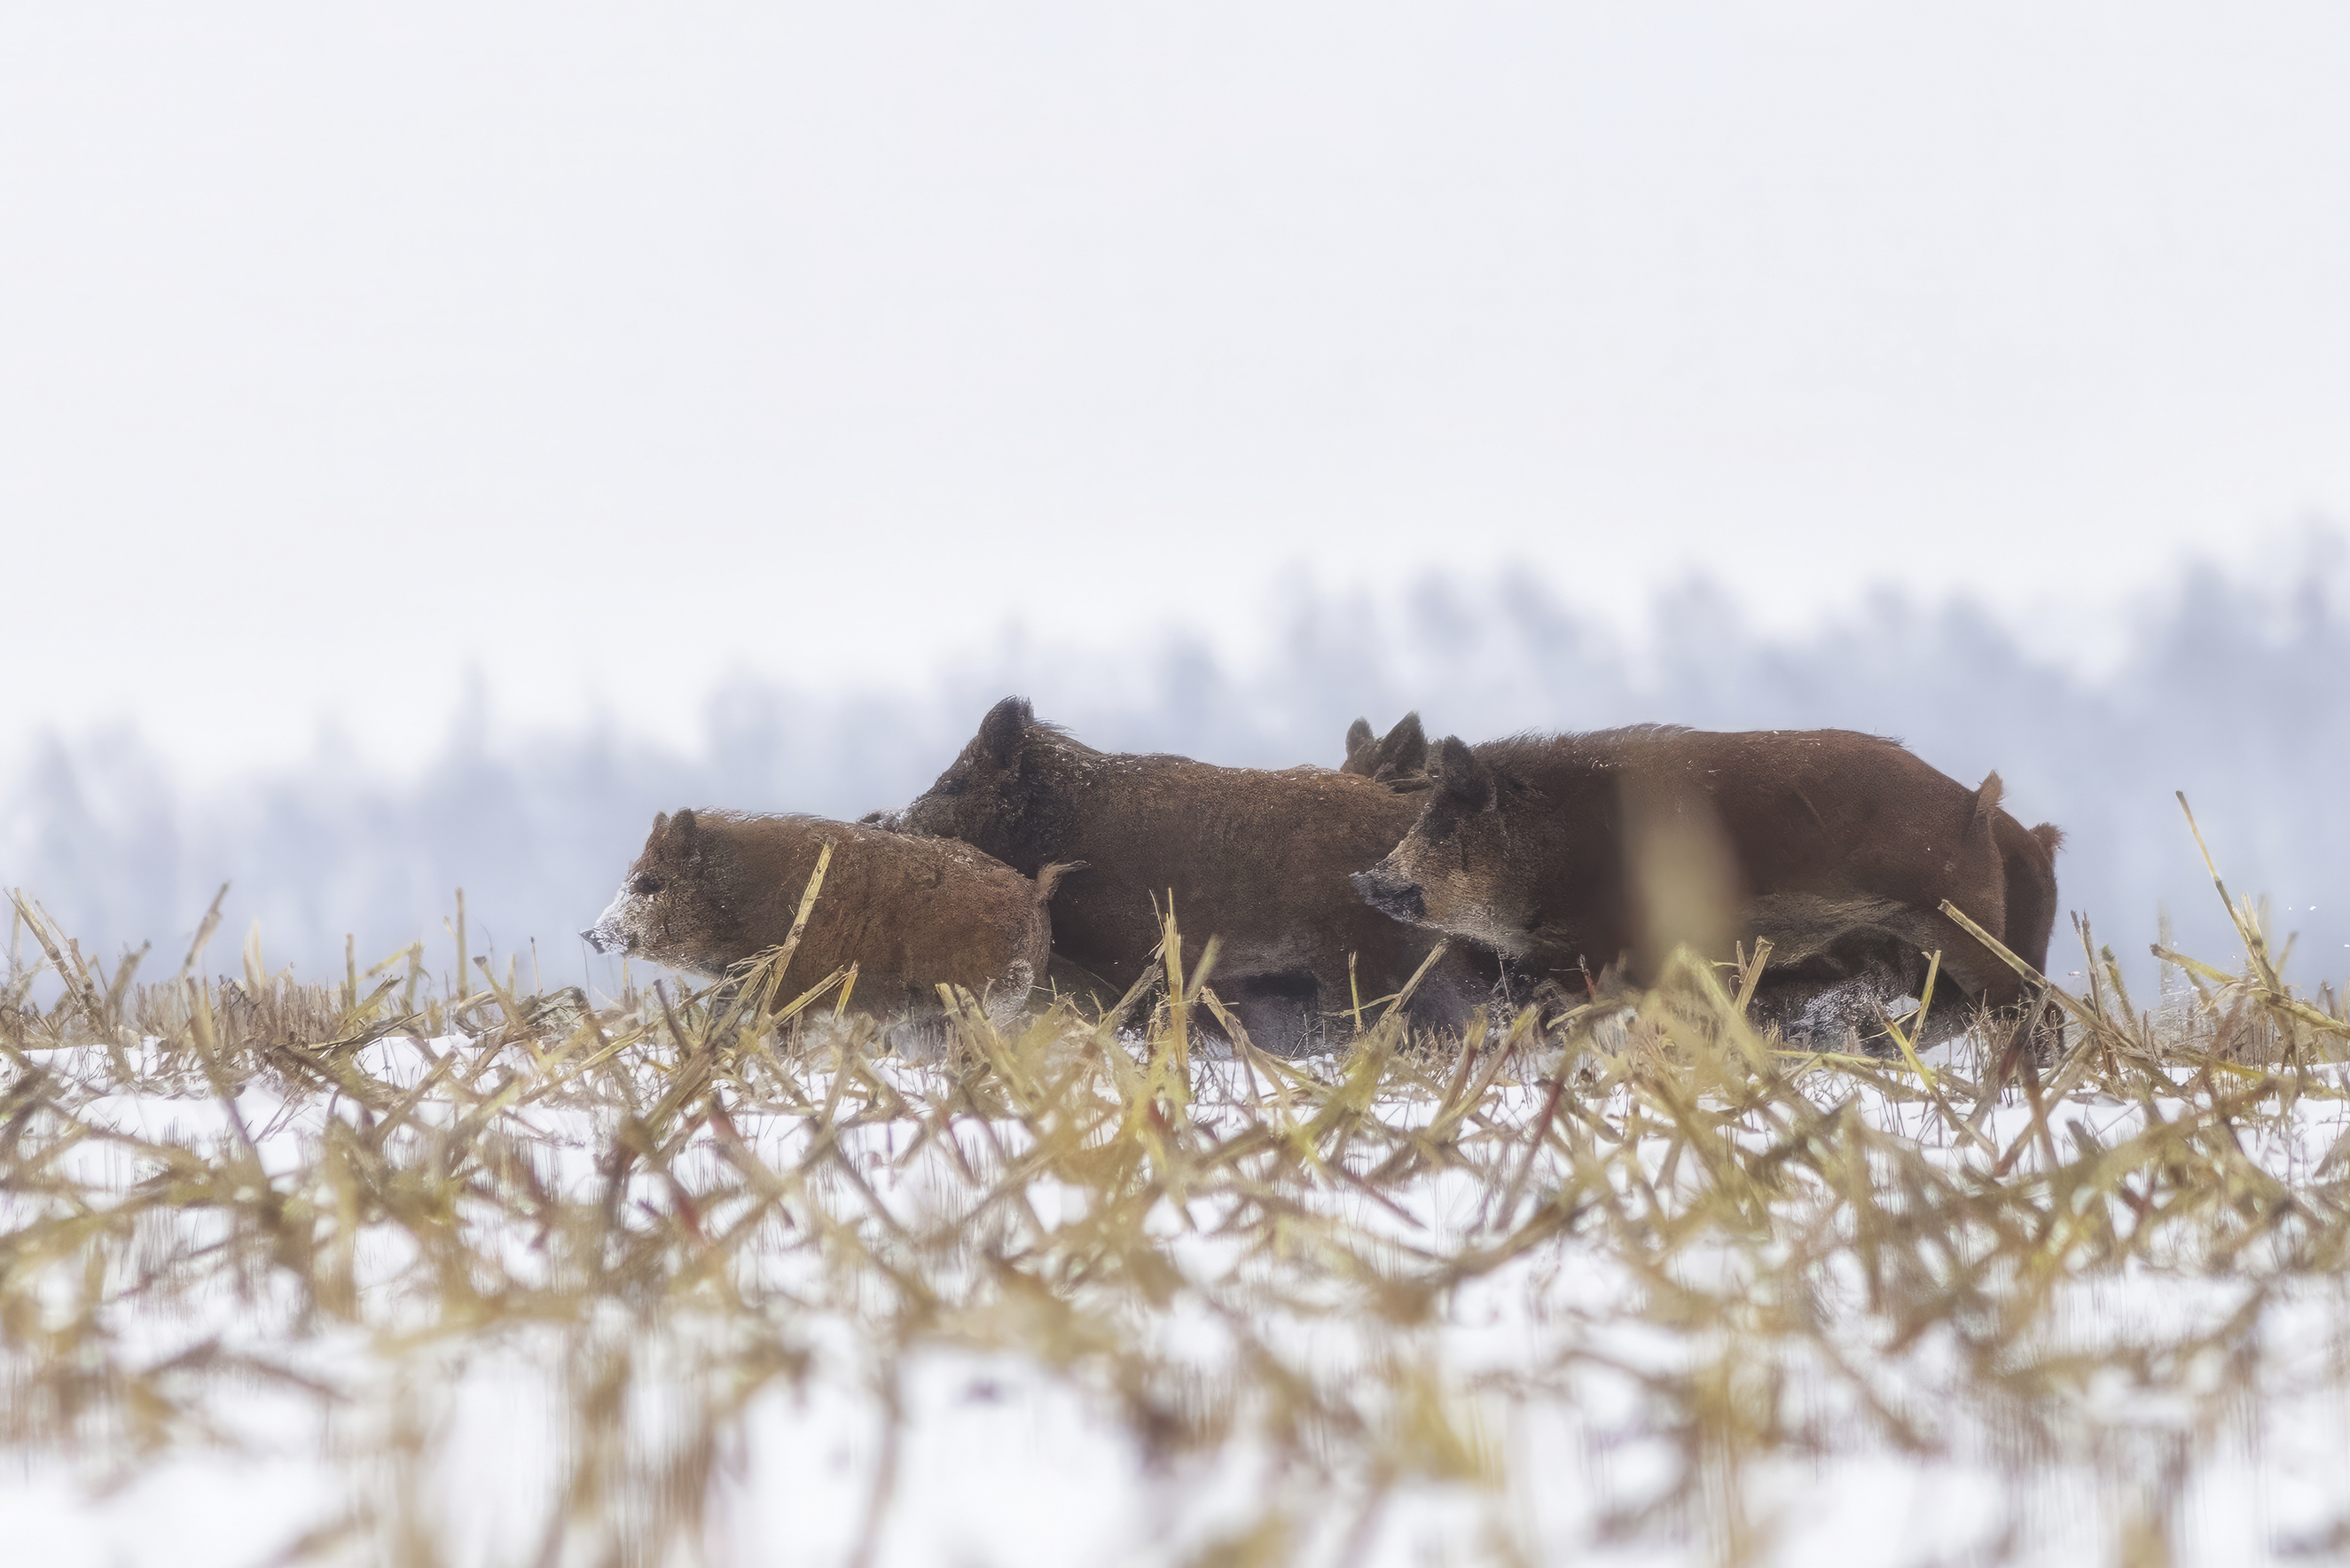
[
  {"x": 984, "y": 798},
  {"x": 665, "y": 909},
  {"x": 1453, "y": 870}
]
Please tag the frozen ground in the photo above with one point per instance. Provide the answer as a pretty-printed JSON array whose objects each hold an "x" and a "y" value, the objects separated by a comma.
[{"x": 937, "y": 1335}]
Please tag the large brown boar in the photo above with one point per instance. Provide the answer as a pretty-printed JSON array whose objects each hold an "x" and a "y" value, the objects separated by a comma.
[
  {"x": 1257, "y": 859},
  {"x": 714, "y": 888},
  {"x": 1573, "y": 853}
]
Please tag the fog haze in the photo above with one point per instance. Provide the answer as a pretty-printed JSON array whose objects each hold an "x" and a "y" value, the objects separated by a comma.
[
  {"x": 433, "y": 438},
  {"x": 611, "y": 348},
  {"x": 2229, "y": 689}
]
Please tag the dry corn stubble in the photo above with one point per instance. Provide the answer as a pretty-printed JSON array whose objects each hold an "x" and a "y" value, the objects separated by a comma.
[{"x": 1614, "y": 1281}]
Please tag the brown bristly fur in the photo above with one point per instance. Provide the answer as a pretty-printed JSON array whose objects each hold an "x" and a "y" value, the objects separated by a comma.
[
  {"x": 1837, "y": 847},
  {"x": 1256, "y": 859},
  {"x": 713, "y": 889}
]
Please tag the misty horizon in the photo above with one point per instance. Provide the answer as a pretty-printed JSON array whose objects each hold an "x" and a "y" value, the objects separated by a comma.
[{"x": 2227, "y": 689}]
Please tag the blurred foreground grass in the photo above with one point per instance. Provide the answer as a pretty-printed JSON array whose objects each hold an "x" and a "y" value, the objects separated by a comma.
[{"x": 688, "y": 1277}]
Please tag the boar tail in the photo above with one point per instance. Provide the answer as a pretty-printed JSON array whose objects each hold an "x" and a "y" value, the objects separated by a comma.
[
  {"x": 1050, "y": 877},
  {"x": 1987, "y": 799}
]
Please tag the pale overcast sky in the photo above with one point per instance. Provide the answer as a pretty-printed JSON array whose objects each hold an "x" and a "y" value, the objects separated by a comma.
[{"x": 605, "y": 347}]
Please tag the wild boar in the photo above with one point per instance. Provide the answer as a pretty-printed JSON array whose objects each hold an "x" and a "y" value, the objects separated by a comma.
[
  {"x": 1569, "y": 854},
  {"x": 1398, "y": 759},
  {"x": 714, "y": 888},
  {"x": 1256, "y": 859}
]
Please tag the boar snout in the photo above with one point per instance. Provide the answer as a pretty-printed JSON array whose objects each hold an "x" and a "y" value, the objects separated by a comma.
[
  {"x": 1390, "y": 892},
  {"x": 614, "y": 931}
]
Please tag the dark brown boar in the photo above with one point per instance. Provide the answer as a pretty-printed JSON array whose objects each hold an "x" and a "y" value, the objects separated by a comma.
[
  {"x": 1573, "y": 853},
  {"x": 714, "y": 888},
  {"x": 1257, "y": 859},
  {"x": 1398, "y": 759}
]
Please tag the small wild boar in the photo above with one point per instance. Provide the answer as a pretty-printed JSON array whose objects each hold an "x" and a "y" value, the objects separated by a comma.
[
  {"x": 1573, "y": 853},
  {"x": 1257, "y": 859},
  {"x": 714, "y": 888}
]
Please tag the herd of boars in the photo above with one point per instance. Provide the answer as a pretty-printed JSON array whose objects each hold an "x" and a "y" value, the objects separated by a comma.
[{"x": 1543, "y": 866}]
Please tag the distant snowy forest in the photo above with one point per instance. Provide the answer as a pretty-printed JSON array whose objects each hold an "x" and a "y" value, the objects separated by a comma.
[{"x": 2232, "y": 687}]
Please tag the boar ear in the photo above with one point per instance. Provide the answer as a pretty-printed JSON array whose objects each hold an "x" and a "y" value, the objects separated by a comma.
[
  {"x": 1405, "y": 750},
  {"x": 1005, "y": 730},
  {"x": 1359, "y": 735},
  {"x": 1465, "y": 779},
  {"x": 684, "y": 824},
  {"x": 660, "y": 822}
]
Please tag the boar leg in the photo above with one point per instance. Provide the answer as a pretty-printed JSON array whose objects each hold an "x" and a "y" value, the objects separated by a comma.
[
  {"x": 1463, "y": 979},
  {"x": 1279, "y": 1012},
  {"x": 1831, "y": 1012},
  {"x": 919, "y": 1036},
  {"x": 2020, "y": 1032},
  {"x": 1836, "y": 996},
  {"x": 1069, "y": 978}
]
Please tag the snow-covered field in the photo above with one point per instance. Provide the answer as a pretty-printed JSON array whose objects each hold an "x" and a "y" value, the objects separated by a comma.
[{"x": 324, "y": 1277}]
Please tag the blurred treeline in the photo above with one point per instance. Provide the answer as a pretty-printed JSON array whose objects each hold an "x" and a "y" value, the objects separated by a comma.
[{"x": 2232, "y": 687}]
